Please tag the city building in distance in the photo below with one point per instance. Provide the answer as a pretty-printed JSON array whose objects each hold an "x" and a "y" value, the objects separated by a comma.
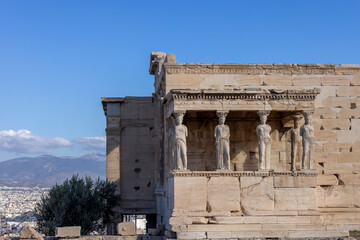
[{"x": 239, "y": 150}]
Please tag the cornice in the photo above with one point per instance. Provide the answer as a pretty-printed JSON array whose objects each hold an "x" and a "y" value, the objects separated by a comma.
[
  {"x": 261, "y": 69},
  {"x": 241, "y": 173},
  {"x": 244, "y": 94},
  {"x": 106, "y": 100}
]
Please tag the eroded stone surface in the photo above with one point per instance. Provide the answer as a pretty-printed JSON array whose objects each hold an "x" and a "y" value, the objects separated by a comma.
[
  {"x": 126, "y": 229},
  {"x": 295, "y": 181},
  {"x": 295, "y": 199},
  {"x": 29, "y": 233},
  {"x": 68, "y": 232},
  {"x": 224, "y": 194},
  {"x": 257, "y": 193},
  {"x": 190, "y": 193}
]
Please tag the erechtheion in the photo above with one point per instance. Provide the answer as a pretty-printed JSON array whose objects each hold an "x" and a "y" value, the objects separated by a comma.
[{"x": 239, "y": 150}]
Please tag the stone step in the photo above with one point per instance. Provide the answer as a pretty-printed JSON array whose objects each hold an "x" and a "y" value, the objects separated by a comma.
[
  {"x": 335, "y": 210},
  {"x": 262, "y": 234},
  {"x": 266, "y": 219},
  {"x": 253, "y": 227}
]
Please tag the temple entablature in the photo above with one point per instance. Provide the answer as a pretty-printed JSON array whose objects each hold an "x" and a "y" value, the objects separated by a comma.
[{"x": 248, "y": 99}]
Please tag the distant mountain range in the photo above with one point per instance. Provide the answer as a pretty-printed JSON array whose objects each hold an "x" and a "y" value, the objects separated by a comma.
[{"x": 46, "y": 170}]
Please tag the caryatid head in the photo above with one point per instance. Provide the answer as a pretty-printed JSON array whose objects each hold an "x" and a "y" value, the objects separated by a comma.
[
  {"x": 297, "y": 119},
  {"x": 222, "y": 117},
  {"x": 308, "y": 117},
  {"x": 263, "y": 116},
  {"x": 178, "y": 118}
]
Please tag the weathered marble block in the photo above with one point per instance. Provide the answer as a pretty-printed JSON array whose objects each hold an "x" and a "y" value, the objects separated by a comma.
[
  {"x": 224, "y": 194},
  {"x": 126, "y": 229},
  {"x": 295, "y": 181},
  {"x": 68, "y": 232},
  {"x": 190, "y": 193},
  {"x": 295, "y": 199},
  {"x": 257, "y": 193}
]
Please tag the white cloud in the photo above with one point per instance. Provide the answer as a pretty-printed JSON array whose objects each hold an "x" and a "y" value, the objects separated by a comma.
[
  {"x": 92, "y": 143},
  {"x": 22, "y": 141}
]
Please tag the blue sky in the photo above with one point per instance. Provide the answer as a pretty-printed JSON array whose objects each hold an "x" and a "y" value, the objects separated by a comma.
[{"x": 58, "y": 58}]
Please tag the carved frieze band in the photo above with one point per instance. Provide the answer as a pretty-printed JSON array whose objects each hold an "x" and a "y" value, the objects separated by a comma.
[
  {"x": 241, "y": 173},
  {"x": 272, "y": 94},
  {"x": 261, "y": 69}
]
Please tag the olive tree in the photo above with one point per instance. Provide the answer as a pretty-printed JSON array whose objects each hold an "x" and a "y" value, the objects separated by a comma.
[{"x": 77, "y": 202}]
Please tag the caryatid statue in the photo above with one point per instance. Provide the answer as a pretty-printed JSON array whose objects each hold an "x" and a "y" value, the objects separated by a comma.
[
  {"x": 295, "y": 143},
  {"x": 264, "y": 141},
  {"x": 222, "y": 136},
  {"x": 308, "y": 140},
  {"x": 179, "y": 134}
]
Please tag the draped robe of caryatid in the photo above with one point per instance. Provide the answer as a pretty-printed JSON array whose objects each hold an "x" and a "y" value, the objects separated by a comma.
[{"x": 222, "y": 135}]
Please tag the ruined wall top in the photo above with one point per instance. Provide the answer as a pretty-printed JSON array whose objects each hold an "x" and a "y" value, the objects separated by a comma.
[
  {"x": 172, "y": 67},
  {"x": 172, "y": 75},
  {"x": 261, "y": 68}
]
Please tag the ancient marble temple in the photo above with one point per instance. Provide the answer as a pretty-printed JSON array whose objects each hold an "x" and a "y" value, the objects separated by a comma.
[{"x": 239, "y": 150}]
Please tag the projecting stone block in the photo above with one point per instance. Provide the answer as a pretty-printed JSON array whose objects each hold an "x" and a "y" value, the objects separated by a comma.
[
  {"x": 248, "y": 80},
  {"x": 336, "y": 102},
  {"x": 190, "y": 193},
  {"x": 346, "y": 113},
  {"x": 295, "y": 199},
  {"x": 68, "y": 232},
  {"x": 191, "y": 235},
  {"x": 325, "y": 113},
  {"x": 294, "y": 181},
  {"x": 257, "y": 193},
  {"x": 336, "y": 80},
  {"x": 355, "y": 124},
  {"x": 318, "y": 234},
  {"x": 355, "y": 80},
  {"x": 277, "y": 80},
  {"x": 348, "y": 157},
  {"x": 307, "y": 80},
  {"x": 335, "y": 124},
  {"x": 325, "y": 135},
  {"x": 339, "y": 196},
  {"x": 335, "y": 147},
  {"x": 348, "y": 91},
  {"x": 334, "y": 168},
  {"x": 29, "y": 233},
  {"x": 349, "y": 179},
  {"x": 224, "y": 194},
  {"x": 324, "y": 94},
  {"x": 126, "y": 229},
  {"x": 327, "y": 180}
]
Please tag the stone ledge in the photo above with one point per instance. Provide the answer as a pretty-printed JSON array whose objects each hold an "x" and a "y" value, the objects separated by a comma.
[
  {"x": 324, "y": 234},
  {"x": 241, "y": 173},
  {"x": 261, "y": 69}
]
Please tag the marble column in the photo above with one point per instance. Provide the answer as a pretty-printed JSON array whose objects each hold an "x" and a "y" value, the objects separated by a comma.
[
  {"x": 308, "y": 141},
  {"x": 177, "y": 138},
  {"x": 222, "y": 136},
  {"x": 295, "y": 142},
  {"x": 264, "y": 141}
]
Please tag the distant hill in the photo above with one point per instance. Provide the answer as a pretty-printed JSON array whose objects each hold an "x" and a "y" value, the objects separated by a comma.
[{"x": 46, "y": 170}]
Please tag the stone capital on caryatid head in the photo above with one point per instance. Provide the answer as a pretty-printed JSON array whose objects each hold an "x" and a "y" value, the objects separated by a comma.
[
  {"x": 264, "y": 140},
  {"x": 178, "y": 117},
  {"x": 178, "y": 146},
  {"x": 263, "y": 114},
  {"x": 222, "y": 140},
  {"x": 308, "y": 141},
  {"x": 308, "y": 116},
  {"x": 222, "y": 114}
]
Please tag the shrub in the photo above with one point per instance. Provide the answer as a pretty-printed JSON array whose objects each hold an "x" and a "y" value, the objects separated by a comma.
[{"x": 77, "y": 202}]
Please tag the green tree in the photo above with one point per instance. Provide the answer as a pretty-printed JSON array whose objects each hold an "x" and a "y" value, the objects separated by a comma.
[{"x": 77, "y": 202}]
